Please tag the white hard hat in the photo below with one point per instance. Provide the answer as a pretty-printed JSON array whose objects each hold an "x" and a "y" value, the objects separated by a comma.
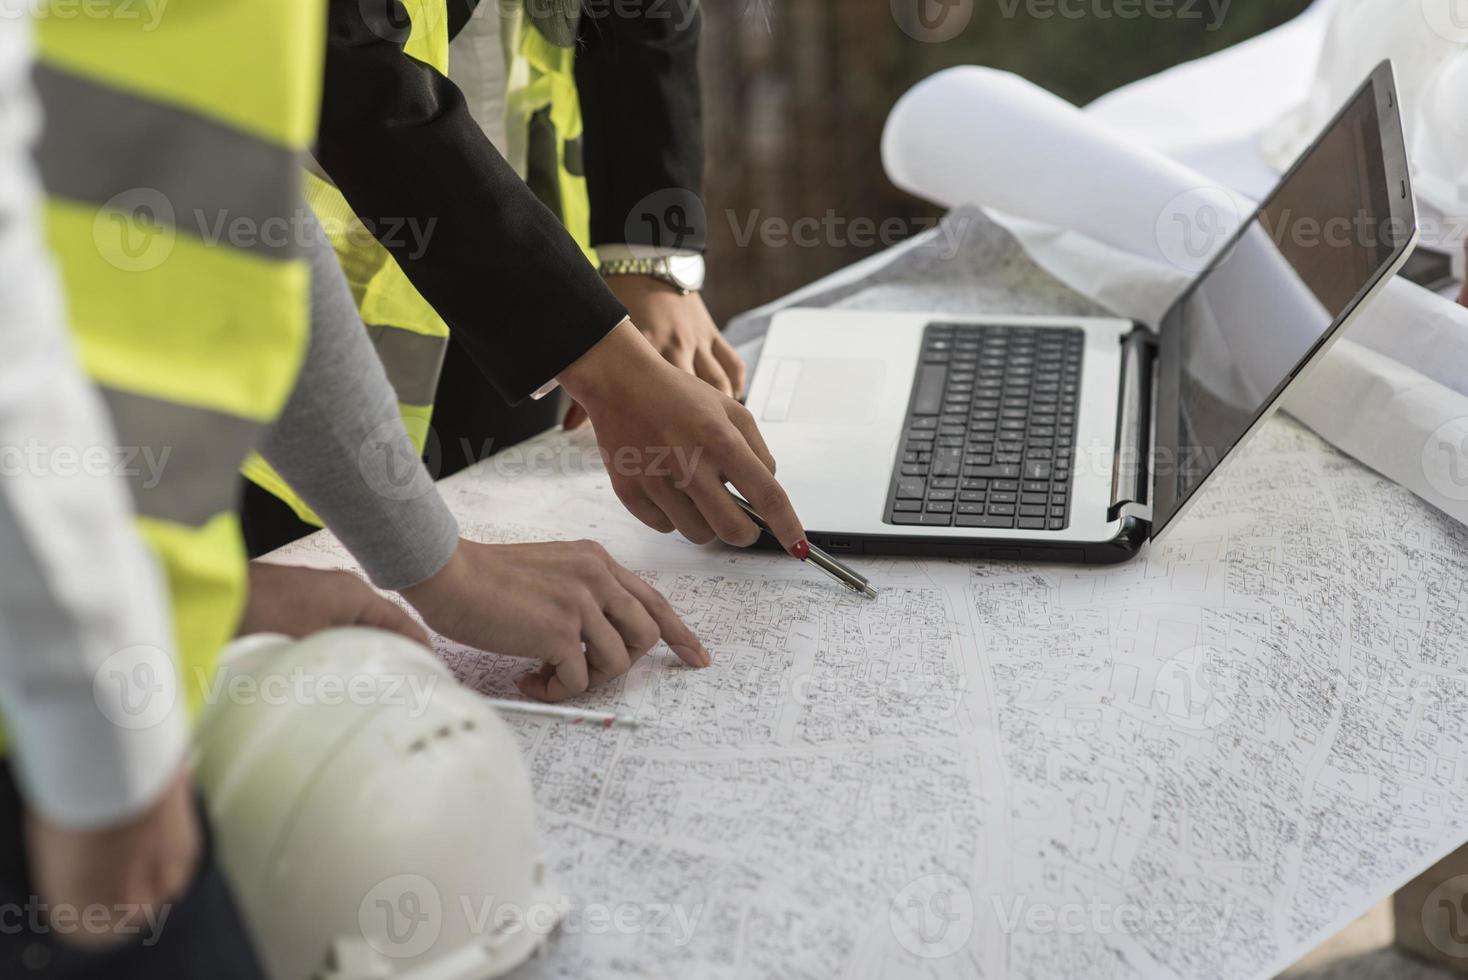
[{"x": 374, "y": 816}]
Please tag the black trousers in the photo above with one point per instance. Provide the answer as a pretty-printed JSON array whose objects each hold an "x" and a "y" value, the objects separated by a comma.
[
  {"x": 470, "y": 422},
  {"x": 201, "y": 936}
]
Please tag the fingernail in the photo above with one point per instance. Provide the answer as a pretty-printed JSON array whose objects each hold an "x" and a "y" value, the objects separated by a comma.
[
  {"x": 801, "y": 549},
  {"x": 695, "y": 655}
]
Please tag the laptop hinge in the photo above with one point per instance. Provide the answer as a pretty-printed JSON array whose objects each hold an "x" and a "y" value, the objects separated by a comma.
[{"x": 1131, "y": 484}]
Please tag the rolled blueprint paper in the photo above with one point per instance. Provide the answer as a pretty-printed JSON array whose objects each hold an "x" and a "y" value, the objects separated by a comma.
[
  {"x": 1405, "y": 426},
  {"x": 979, "y": 136},
  {"x": 1118, "y": 222}
]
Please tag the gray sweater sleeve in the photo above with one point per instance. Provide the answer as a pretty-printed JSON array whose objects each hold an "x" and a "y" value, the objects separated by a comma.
[{"x": 341, "y": 445}]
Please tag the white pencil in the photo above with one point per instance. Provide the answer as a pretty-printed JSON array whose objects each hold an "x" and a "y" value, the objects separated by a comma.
[{"x": 562, "y": 713}]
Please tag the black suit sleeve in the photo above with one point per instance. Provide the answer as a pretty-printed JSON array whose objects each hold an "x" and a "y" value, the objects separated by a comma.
[
  {"x": 399, "y": 142},
  {"x": 637, "y": 73}
]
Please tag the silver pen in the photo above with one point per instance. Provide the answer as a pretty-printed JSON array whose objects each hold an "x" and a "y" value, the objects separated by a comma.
[{"x": 837, "y": 570}]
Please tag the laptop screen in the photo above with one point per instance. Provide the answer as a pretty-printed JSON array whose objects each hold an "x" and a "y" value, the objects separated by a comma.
[{"x": 1230, "y": 345}]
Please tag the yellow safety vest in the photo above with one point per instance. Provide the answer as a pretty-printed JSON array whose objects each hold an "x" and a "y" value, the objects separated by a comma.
[
  {"x": 171, "y": 162},
  {"x": 544, "y": 130}
]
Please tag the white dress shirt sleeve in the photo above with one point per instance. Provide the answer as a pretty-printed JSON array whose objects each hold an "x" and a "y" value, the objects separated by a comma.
[{"x": 89, "y": 694}]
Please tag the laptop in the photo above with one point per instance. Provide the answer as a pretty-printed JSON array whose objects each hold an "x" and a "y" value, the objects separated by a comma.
[{"x": 1078, "y": 439}]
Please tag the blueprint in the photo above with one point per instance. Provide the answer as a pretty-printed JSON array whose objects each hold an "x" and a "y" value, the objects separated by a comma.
[{"x": 1199, "y": 764}]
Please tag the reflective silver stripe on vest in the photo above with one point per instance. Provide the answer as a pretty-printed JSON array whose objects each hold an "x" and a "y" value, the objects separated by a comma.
[
  {"x": 207, "y": 179},
  {"x": 413, "y": 362},
  {"x": 181, "y": 462}
]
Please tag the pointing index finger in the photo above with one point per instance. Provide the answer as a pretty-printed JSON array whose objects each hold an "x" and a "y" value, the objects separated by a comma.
[
  {"x": 675, "y": 633},
  {"x": 764, "y": 493}
]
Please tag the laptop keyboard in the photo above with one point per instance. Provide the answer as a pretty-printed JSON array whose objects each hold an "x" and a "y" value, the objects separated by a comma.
[{"x": 990, "y": 430}]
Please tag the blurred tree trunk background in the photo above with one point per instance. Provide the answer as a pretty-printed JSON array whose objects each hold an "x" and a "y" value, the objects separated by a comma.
[{"x": 796, "y": 92}]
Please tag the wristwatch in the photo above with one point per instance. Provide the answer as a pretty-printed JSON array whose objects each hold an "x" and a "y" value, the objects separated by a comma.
[{"x": 683, "y": 272}]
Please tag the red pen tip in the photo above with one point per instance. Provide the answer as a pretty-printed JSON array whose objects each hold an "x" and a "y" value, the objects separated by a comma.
[{"x": 801, "y": 549}]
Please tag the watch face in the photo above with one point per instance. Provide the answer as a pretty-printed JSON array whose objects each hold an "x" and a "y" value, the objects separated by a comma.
[{"x": 686, "y": 271}]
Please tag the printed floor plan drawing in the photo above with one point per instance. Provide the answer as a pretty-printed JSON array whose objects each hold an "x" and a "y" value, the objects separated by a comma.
[{"x": 1199, "y": 764}]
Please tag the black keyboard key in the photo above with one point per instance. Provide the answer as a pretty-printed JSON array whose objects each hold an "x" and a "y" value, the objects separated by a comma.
[
  {"x": 997, "y": 471},
  {"x": 929, "y": 397},
  {"x": 942, "y": 494},
  {"x": 911, "y": 489},
  {"x": 924, "y": 520},
  {"x": 976, "y": 520},
  {"x": 1032, "y": 523},
  {"x": 907, "y": 506},
  {"x": 940, "y": 507},
  {"x": 1025, "y": 511},
  {"x": 1001, "y": 509},
  {"x": 1038, "y": 470}
]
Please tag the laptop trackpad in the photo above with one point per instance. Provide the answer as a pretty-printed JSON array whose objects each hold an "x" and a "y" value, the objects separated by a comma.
[{"x": 825, "y": 390}]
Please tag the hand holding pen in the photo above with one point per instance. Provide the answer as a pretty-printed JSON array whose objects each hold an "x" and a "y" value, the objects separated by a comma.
[{"x": 838, "y": 570}]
